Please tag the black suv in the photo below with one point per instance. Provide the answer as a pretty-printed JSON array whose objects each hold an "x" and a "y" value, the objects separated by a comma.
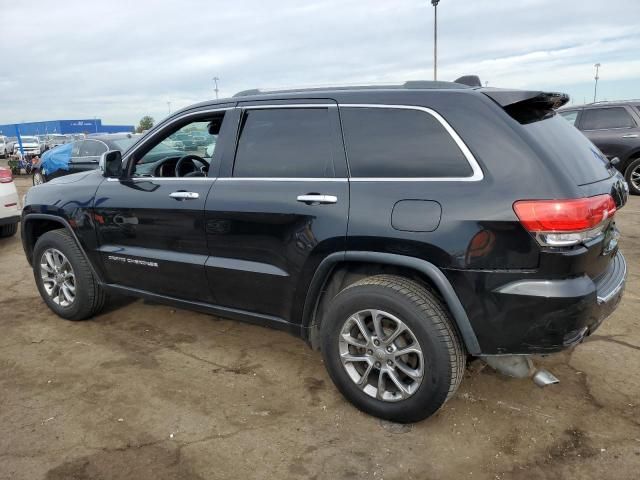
[
  {"x": 614, "y": 127},
  {"x": 389, "y": 227}
]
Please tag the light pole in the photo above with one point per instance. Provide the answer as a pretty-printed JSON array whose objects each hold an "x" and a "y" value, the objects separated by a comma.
[
  {"x": 435, "y": 38},
  {"x": 169, "y": 107},
  {"x": 595, "y": 88},
  {"x": 215, "y": 88}
]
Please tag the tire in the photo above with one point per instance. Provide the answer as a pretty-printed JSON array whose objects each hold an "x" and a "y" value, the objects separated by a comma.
[
  {"x": 8, "y": 230},
  {"x": 38, "y": 178},
  {"x": 632, "y": 176},
  {"x": 88, "y": 295},
  {"x": 395, "y": 299}
]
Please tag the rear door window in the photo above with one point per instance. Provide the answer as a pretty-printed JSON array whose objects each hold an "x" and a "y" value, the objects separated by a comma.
[
  {"x": 570, "y": 116},
  {"x": 285, "y": 143},
  {"x": 400, "y": 143},
  {"x": 606, "y": 118},
  {"x": 566, "y": 145}
]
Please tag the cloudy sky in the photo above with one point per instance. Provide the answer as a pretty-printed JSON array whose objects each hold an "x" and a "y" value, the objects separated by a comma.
[{"x": 120, "y": 60}]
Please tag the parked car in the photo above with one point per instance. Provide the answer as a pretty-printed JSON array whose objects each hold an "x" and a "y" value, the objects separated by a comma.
[
  {"x": 187, "y": 141},
  {"x": 3, "y": 147},
  {"x": 9, "y": 204},
  {"x": 55, "y": 140},
  {"x": 84, "y": 155},
  {"x": 30, "y": 145},
  {"x": 9, "y": 144},
  {"x": 614, "y": 127},
  {"x": 388, "y": 227}
]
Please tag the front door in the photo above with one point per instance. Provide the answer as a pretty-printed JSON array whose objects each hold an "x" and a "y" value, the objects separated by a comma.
[
  {"x": 278, "y": 208},
  {"x": 150, "y": 224}
]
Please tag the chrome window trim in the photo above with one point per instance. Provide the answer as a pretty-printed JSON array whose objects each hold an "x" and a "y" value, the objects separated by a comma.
[
  {"x": 287, "y": 105},
  {"x": 476, "y": 175},
  {"x": 283, "y": 179}
]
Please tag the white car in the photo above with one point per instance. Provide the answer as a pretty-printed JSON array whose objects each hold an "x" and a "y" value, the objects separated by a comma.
[
  {"x": 3, "y": 146},
  {"x": 30, "y": 145},
  {"x": 9, "y": 204}
]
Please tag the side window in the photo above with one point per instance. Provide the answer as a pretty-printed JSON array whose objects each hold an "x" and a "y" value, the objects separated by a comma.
[
  {"x": 91, "y": 148},
  {"x": 100, "y": 148},
  {"x": 196, "y": 138},
  {"x": 395, "y": 143},
  {"x": 603, "y": 118},
  {"x": 570, "y": 116},
  {"x": 285, "y": 142}
]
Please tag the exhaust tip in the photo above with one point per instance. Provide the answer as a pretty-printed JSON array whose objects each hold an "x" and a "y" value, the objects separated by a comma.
[{"x": 543, "y": 377}]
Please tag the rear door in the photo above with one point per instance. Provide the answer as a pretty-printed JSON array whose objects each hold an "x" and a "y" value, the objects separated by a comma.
[
  {"x": 279, "y": 207},
  {"x": 614, "y": 130}
]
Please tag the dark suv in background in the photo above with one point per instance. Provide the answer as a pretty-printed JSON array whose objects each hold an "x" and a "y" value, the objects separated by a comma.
[
  {"x": 614, "y": 127},
  {"x": 389, "y": 227}
]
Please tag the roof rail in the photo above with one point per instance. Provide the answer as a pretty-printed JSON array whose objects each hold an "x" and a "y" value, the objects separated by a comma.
[
  {"x": 412, "y": 84},
  {"x": 630, "y": 100}
]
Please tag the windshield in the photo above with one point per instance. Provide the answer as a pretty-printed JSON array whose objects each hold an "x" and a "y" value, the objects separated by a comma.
[
  {"x": 29, "y": 140},
  {"x": 58, "y": 138},
  {"x": 564, "y": 143}
]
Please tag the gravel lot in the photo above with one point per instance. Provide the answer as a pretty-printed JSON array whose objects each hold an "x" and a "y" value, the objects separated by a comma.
[{"x": 148, "y": 391}]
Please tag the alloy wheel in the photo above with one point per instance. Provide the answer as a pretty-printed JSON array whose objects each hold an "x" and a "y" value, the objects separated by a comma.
[
  {"x": 58, "y": 277},
  {"x": 635, "y": 177},
  {"x": 381, "y": 355}
]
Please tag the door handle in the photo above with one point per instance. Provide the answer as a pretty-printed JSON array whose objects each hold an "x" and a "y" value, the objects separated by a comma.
[
  {"x": 185, "y": 195},
  {"x": 314, "y": 198},
  {"x": 630, "y": 135}
]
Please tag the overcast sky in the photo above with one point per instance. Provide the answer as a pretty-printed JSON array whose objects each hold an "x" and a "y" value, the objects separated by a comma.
[{"x": 120, "y": 60}]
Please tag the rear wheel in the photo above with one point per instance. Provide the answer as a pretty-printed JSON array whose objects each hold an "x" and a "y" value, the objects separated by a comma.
[
  {"x": 64, "y": 278},
  {"x": 391, "y": 348},
  {"x": 632, "y": 175},
  {"x": 8, "y": 230}
]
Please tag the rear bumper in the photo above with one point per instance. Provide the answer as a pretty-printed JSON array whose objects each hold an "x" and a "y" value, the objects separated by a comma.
[
  {"x": 9, "y": 220},
  {"x": 540, "y": 316}
]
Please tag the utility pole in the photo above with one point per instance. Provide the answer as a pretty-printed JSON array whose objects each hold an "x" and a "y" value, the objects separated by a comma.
[
  {"x": 169, "y": 106},
  {"x": 215, "y": 81},
  {"x": 435, "y": 38},
  {"x": 595, "y": 88}
]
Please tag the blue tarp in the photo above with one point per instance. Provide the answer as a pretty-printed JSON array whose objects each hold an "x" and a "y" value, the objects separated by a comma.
[{"x": 57, "y": 158}]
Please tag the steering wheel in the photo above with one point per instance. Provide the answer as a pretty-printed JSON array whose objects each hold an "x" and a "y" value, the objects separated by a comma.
[{"x": 194, "y": 172}]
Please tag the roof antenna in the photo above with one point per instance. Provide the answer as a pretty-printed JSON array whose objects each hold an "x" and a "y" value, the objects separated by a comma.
[{"x": 469, "y": 80}]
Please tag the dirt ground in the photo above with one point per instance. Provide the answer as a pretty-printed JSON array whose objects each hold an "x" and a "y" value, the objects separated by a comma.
[{"x": 151, "y": 392}]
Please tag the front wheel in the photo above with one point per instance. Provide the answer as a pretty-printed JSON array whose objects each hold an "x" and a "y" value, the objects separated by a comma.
[
  {"x": 64, "y": 277},
  {"x": 390, "y": 347},
  {"x": 632, "y": 176}
]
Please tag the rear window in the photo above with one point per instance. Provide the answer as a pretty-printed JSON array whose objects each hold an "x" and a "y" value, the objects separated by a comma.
[
  {"x": 565, "y": 144},
  {"x": 400, "y": 143},
  {"x": 604, "y": 118}
]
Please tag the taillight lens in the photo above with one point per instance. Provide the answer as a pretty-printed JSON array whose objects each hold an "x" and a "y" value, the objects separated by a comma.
[
  {"x": 5, "y": 175},
  {"x": 565, "y": 222}
]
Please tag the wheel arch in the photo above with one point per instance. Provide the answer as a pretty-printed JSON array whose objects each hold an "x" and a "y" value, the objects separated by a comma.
[
  {"x": 34, "y": 225},
  {"x": 335, "y": 267}
]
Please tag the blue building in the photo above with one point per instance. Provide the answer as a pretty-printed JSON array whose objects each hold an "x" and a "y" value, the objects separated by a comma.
[{"x": 63, "y": 126}]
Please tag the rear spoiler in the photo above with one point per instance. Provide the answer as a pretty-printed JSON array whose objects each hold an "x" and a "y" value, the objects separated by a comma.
[{"x": 526, "y": 98}]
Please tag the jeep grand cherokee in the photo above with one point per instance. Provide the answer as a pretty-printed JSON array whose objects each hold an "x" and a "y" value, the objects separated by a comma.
[{"x": 401, "y": 230}]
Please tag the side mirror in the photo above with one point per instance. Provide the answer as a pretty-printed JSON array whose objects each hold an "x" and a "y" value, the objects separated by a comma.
[{"x": 111, "y": 164}]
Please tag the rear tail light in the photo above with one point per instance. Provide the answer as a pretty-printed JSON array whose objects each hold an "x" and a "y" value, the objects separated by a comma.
[
  {"x": 560, "y": 223},
  {"x": 5, "y": 175}
]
